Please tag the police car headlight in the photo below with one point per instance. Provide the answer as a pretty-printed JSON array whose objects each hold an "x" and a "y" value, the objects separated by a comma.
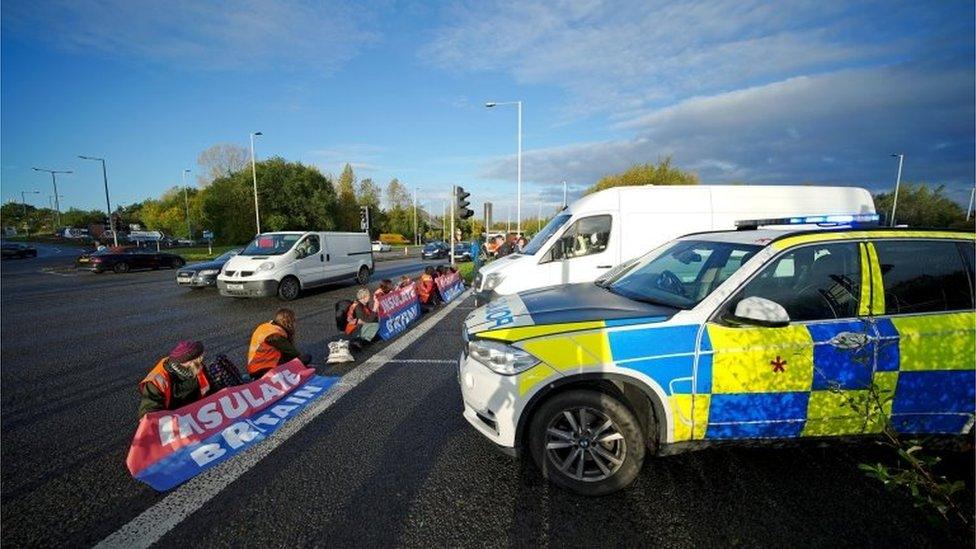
[
  {"x": 266, "y": 266},
  {"x": 208, "y": 272},
  {"x": 492, "y": 281},
  {"x": 501, "y": 358}
]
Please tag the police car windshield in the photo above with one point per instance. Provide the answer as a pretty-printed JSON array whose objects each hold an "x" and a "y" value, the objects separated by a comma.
[
  {"x": 542, "y": 236},
  {"x": 682, "y": 273},
  {"x": 271, "y": 244}
]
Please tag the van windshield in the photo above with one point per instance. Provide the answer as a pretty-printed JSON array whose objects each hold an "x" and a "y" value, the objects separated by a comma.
[
  {"x": 542, "y": 236},
  {"x": 271, "y": 244}
]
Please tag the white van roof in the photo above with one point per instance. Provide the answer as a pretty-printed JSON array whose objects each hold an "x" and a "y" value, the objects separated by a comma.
[{"x": 725, "y": 196}]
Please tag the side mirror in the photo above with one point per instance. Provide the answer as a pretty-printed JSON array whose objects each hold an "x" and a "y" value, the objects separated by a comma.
[{"x": 760, "y": 311}]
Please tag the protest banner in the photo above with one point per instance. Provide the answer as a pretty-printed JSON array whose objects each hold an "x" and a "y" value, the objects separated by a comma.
[
  {"x": 449, "y": 286},
  {"x": 172, "y": 446},
  {"x": 397, "y": 310}
]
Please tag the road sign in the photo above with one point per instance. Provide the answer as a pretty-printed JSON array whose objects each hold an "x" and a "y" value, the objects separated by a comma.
[{"x": 208, "y": 235}]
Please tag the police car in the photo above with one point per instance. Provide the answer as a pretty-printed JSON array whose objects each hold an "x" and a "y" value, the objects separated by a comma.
[{"x": 758, "y": 333}]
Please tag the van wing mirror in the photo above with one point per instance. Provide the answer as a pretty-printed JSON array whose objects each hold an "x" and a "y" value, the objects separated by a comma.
[{"x": 760, "y": 311}]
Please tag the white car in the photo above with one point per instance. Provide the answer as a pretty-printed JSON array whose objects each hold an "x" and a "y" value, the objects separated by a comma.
[
  {"x": 287, "y": 262},
  {"x": 381, "y": 247}
]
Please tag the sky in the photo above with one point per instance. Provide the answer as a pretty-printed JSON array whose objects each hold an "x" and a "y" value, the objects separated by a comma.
[{"x": 735, "y": 90}]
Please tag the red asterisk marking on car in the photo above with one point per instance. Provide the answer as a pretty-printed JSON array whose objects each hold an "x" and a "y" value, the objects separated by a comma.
[{"x": 778, "y": 364}]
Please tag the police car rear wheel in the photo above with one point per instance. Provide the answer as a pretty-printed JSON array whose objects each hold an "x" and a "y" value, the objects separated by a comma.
[{"x": 587, "y": 442}]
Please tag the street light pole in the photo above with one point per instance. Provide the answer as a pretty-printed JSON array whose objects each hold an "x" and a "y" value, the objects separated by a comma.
[
  {"x": 416, "y": 237},
  {"x": 254, "y": 174},
  {"x": 23, "y": 200},
  {"x": 54, "y": 181},
  {"x": 894, "y": 203},
  {"x": 108, "y": 204},
  {"x": 972, "y": 198},
  {"x": 186, "y": 203},
  {"x": 518, "y": 185},
  {"x": 564, "y": 194}
]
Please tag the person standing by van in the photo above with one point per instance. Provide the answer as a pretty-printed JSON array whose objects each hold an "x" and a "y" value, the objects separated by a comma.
[{"x": 273, "y": 343}]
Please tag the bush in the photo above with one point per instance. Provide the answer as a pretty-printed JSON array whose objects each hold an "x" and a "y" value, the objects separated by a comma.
[{"x": 393, "y": 238}]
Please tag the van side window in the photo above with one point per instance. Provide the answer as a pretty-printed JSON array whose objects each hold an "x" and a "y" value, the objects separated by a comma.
[
  {"x": 818, "y": 282},
  {"x": 309, "y": 246},
  {"x": 923, "y": 276},
  {"x": 587, "y": 236}
]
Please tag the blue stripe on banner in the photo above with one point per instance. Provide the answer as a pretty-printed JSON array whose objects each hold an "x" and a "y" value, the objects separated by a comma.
[
  {"x": 665, "y": 371},
  {"x": 929, "y": 423},
  {"x": 889, "y": 356},
  {"x": 935, "y": 391},
  {"x": 398, "y": 322},
  {"x": 784, "y": 429},
  {"x": 739, "y": 407},
  {"x": 189, "y": 461},
  {"x": 841, "y": 368},
  {"x": 650, "y": 342}
]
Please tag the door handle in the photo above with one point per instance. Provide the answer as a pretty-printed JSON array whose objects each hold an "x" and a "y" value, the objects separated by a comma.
[
  {"x": 326, "y": 257},
  {"x": 603, "y": 266},
  {"x": 321, "y": 257},
  {"x": 850, "y": 340}
]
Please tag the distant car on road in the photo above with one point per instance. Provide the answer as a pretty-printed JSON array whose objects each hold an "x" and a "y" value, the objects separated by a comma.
[
  {"x": 186, "y": 242},
  {"x": 18, "y": 250},
  {"x": 204, "y": 275},
  {"x": 381, "y": 247},
  {"x": 435, "y": 250},
  {"x": 462, "y": 251},
  {"x": 122, "y": 260}
]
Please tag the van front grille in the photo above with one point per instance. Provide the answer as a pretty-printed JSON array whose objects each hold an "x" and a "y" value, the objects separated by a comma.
[
  {"x": 229, "y": 273},
  {"x": 247, "y": 273}
]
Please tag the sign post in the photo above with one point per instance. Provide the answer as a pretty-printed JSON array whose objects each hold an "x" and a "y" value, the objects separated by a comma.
[{"x": 208, "y": 235}]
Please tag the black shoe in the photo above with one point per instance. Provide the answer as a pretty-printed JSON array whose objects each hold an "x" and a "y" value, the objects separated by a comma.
[{"x": 356, "y": 344}]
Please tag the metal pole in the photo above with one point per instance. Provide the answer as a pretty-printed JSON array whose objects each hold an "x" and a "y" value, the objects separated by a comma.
[
  {"x": 254, "y": 174},
  {"x": 416, "y": 237},
  {"x": 453, "y": 205},
  {"x": 894, "y": 203},
  {"x": 564, "y": 194},
  {"x": 186, "y": 203},
  {"x": 972, "y": 198},
  {"x": 518, "y": 206},
  {"x": 57, "y": 203},
  {"x": 108, "y": 205}
]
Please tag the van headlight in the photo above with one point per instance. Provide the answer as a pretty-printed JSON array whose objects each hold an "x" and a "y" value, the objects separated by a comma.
[
  {"x": 501, "y": 358},
  {"x": 492, "y": 281},
  {"x": 266, "y": 266}
]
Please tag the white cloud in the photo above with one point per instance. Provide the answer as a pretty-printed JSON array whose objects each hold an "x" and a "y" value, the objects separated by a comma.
[
  {"x": 830, "y": 128},
  {"x": 309, "y": 35}
]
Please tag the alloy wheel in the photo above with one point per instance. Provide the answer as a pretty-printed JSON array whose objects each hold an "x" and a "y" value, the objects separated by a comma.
[{"x": 585, "y": 445}]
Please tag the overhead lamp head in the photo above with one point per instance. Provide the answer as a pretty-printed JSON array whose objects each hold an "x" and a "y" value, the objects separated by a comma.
[{"x": 490, "y": 104}]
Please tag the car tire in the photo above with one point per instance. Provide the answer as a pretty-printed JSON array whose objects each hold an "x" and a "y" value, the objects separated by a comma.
[
  {"x": 121, "y": 268},
  {"x": 574, "y": 457},
  {"x": 289, "y": 288},
  {"x": 362, "y": 277}
]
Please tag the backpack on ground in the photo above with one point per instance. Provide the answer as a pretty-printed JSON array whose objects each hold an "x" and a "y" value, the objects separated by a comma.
[{"x": 341, "y": 312}]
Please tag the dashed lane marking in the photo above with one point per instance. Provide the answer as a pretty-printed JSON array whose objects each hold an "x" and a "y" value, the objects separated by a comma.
[
  {"x": 422, "y": 361},
  {"x": 153, "y": 523}
]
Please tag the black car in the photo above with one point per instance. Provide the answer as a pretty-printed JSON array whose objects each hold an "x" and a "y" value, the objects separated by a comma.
[
  {"x": 435, "y": 250},
  {"x": 204, "y": 275},
  {"x": 18, "y": 250},
  {"x": 462, "y": 251},
  {"x": 123, "y": 260}
]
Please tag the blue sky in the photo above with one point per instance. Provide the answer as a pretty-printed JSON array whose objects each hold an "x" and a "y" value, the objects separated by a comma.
[{"x": 764, "y": 92}]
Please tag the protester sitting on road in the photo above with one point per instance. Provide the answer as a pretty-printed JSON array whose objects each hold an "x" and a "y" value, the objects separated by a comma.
[
  {"x": 386, "y": 286},
  {"x": 362, "y": 323},
  {"x": 177, "y": 379},
  {"x": 273, "y": 343},
  {"x": 405, "y": 281},
  {"x": 426, "y": 291}
]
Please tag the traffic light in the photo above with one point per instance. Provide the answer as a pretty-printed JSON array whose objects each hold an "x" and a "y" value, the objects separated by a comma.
[
  {"x": 461, "y": 204},
  {"x": 364, "y": 219}
]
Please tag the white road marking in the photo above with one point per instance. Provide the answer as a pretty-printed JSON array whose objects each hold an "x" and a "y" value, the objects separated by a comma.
[
  {"x": 153, "y": 523},
  {"x": 55, "y": 273}
]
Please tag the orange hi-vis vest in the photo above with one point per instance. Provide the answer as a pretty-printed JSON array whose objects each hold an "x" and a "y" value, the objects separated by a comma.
[
  {"x": 425, "y": 287},
  {"x": 351, "y": 323},
  {"x": 260, "y": 355},
  {"x": 159, "y": 377}
]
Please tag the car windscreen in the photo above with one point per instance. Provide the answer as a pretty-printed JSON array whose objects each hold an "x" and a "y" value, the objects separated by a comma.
[
  {"x": 271, "y": 244},
  {"x": 227, "y": 255},
  {"x": 681, "y": 274},
  {"x": 542, "y": 236}
]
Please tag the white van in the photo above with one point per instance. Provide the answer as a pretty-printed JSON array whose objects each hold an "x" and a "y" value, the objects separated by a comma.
[
  {"x": 609, "y": 227},
  {"x": 286, "y": 262}
]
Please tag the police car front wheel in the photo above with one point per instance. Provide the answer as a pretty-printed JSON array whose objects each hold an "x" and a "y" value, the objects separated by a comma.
[{"x": 587, "y": 442}]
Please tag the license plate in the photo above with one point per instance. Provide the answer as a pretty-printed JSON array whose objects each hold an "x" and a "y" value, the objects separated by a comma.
[{"x": 235, "y": 286}]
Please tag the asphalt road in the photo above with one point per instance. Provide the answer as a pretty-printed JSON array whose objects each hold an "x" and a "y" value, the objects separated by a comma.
[{"x": 390, "y": 463}]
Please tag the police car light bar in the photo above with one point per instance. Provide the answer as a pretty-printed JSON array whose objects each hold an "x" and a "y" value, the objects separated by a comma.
[{"x": 823, "y": 220}]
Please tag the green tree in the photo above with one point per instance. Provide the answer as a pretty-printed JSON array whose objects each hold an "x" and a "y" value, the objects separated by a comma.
[
  {"x": 662, "y": 173},
  {"x": 348, "y": 215},
  {"x": 397, "y": 195},
  {"x": 920, "y": 205},
  {"x": 368, "y": 194}
]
